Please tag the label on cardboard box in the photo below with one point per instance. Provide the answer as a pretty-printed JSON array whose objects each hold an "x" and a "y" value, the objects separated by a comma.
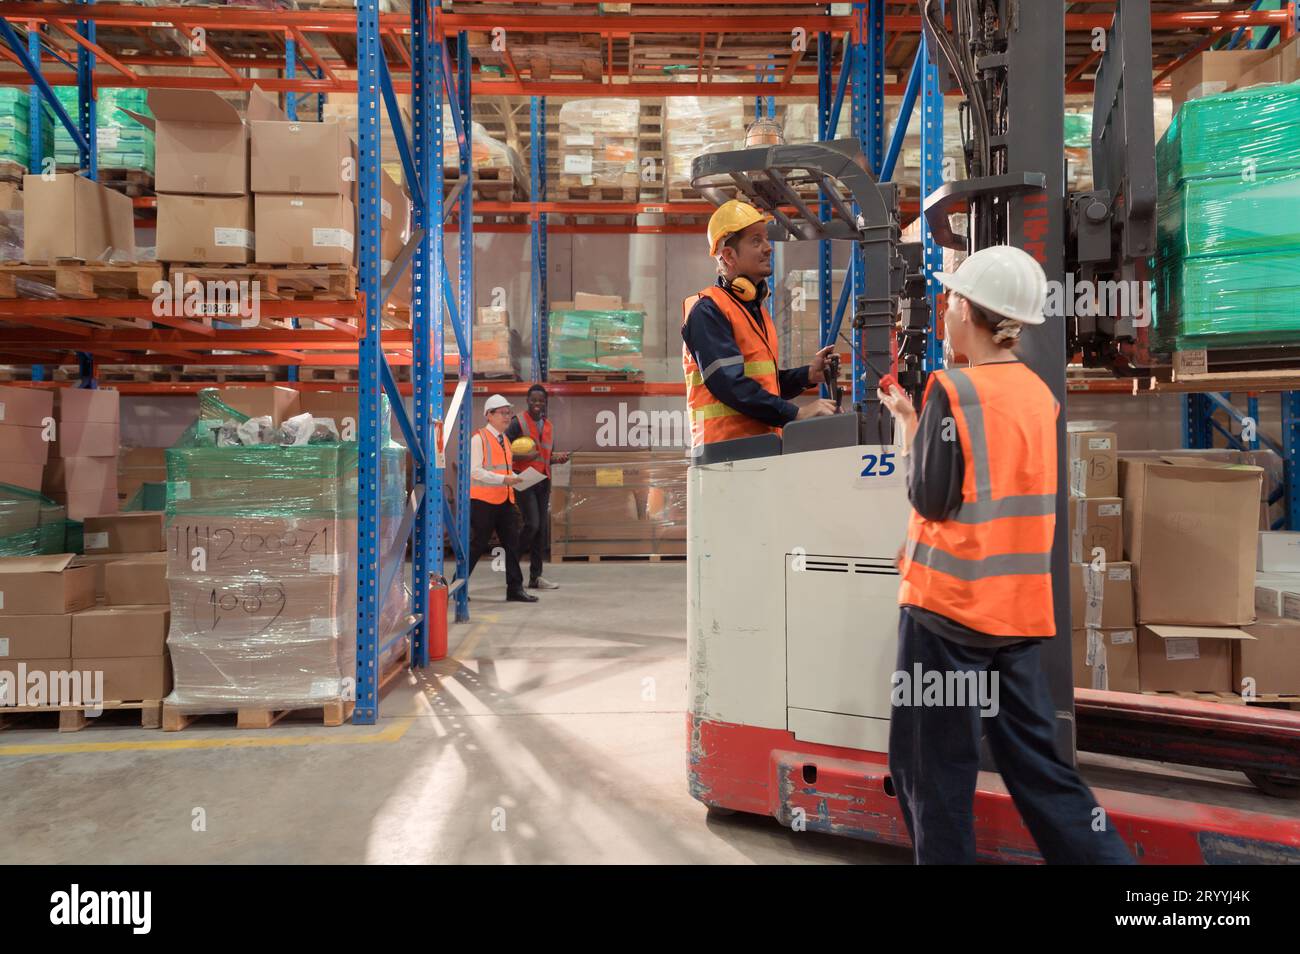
[
  {"x": 96, "y": 541},
  {"x": 2, "y": 411},
  {"x": 4, "y": 645},
  {"x": 1119, "y": 573},
  {"x": 577, "y": 165},
  {"x": 1109, "y": 510},
  {"x": 580, "y": 139},
  {"x": 385, "y": 208},
  {"x": 232, "y": 238},
  {"x": 1078, "y": 476},
  {"x": 1099, "y": 443},
  {"x": 1182, "y": 648},
  {"x": 107, "y": 137},
  {"x": 1122, "y": 637},
  {"x": 609, "y": 477},
  {"x": 331, "y": 238},
  {"x": 331, "y": 563}
]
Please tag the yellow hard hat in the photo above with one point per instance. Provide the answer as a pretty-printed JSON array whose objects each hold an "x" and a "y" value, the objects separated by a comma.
[
  {"x": 522, "y": 446},
  {"x": 731, "y": 217}
]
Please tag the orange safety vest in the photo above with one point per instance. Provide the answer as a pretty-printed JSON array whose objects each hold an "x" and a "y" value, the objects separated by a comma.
[
  {"x": 989, "y": 565},
  {"x": 498, "y": 460},
  {"x": 711, "y": 420},
  {"x": 543, "y": 441}
]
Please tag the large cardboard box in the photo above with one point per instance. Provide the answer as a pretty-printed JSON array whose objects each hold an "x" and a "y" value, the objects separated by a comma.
[
  {"x": 205, "y": 229},
  {"x": 302, "y": 158},
  {"x": 582, "y": 301},
  {"x": 1096, "y": 523},
  {"x": 1274, "y": 591},
  {"x": 140, "y": 531},
  {"x": 272, "y": 547},
  {"x": 99, "y": 561},
  {"x": 29, "y": 476},
  {"x": 201, "y": 143},
  {"x": 278, "y": 403},
  {"x": 394, "y": 218},
  {"x": 1101, "y": 599},
  {"x": 1105, "y": 659},
  {"x": 1189, "y": 531},
  {"x": 1191, "y": 658},
  {"x": 88, "y": 503},
  {"x": 86, "y": 439},
  {"x": 25, "y": 407},
  {"x": 120, "y": 631},
  {"x": 304, "y": 229},
  {"x": 70, "y": 216},
  {"x": 40, "y": 585},
  {"x": 23, "y": 445},
  {"x": 1278, "y": 552},
  {"x": 137, "y": 581},
  {"x": 1271, "y": 661},
  {"x": 74, "y": 475},
  {"x": 131, "y": 678},
  {"x": 36, "y": 637},
  {"x": 1093, "y": 471},
  {"x": 93, "y": 405},
  {"x": 140, "y": 465},
  {"x": 1288, "y": 57},
  {"x": 15, "y": 670},
  {"x": 1212, "y": 72},
  {"x": 1267, "y": 71}
]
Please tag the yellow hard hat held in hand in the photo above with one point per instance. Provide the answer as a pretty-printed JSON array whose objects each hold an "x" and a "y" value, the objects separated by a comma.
[
  {"x": 522, "y": 447},
  {"x": 731, "y": 217}
]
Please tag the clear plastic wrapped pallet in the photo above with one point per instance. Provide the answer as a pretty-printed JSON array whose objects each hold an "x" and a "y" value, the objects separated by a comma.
[
  {"x": 696, "y": 125},
  {"x": 30, "y": 524},
  {"x": 584, "y": 340},
  {"x": 261, "y": 542},
  {"x": 598, "y": 143},
  {"x": 625, "y": 502},
  {"x": 121, "y": 142}
]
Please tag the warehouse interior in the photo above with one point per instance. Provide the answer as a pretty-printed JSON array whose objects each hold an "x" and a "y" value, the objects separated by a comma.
[{"x": 268, "y": 268}]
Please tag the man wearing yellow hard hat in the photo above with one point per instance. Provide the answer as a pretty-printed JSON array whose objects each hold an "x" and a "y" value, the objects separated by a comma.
[{"x": 734, "y": 385}]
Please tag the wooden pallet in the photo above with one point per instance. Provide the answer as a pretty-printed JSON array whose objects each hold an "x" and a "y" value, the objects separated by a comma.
[
  {"x": 279, "y": 282},
  {"x": 597, "y": 194},
  {"x": 492, "y": 184},
  {"x": 335, "y": 712},
  {"x": 226, "y": 375},
  {"x": 12, "y": 172},
  {"x": 75, "y": 718},
  {"x": 1289, "y": 700},
  {"x": 327, "y": 374},
  {"x": 80, "y": 280},
  {"x": 596, "y": 377}
]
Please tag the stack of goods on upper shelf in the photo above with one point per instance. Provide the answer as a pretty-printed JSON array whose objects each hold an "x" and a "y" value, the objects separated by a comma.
[
  {"x": 70, "y": 217},
  {"x": 1227, "y": 271},
  {"x": 499, "y": 173},
  {"x": 15, "y": 131},
  {"x": 621, "y": 503},
  {"x": 596, "y": 333},
  {"x": 123, "y": 145},
  {"x": 1222, "y": 71},
  {"x": 598, "y": 150},
  {"x": 261, "y": 540},
  {"x": 498, "y": 349},
  {"x": 694, "y": 126},
  {"x": 797, "y": 315},
  {"x": 1164, "y": 587}
]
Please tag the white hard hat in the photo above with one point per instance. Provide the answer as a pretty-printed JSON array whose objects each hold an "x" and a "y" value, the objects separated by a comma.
[
  {"x": 494, "y": 402},
  {"x": 1002, "y": 279}
]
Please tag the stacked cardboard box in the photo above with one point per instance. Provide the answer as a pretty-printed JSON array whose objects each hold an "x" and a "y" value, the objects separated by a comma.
[
  {"x": 1271, "y": 662},
  {"x": 205, "y": 213},
  {"x": 610, "y": 503},
  {"x": 1102, "y": 620},
  {"x": 1220, "y": 71},
  {"x": 1190, "y": 535},
  {"x": 67, "y": 216},
  {"x": 498, "y": 348},
  {"x": 598, "y": 143},
  {"x": 26, "y": 430},
  {"x": 38, "y": 597},
  {"x": 134, "y": 538},
  {"x": 137, "y": 466},
  {"x": 82, "y": 473}
]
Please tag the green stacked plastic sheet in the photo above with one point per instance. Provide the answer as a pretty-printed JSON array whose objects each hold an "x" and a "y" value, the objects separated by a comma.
[
  {"x": 121, "y": 142},
  {"x": 1078, "y": 130},
  {"x": 1227, "y": 267},
  {"x": 15, "y": 125},
  {"x": 30, "y": 524},
  {"x": 588, "y": 340}
]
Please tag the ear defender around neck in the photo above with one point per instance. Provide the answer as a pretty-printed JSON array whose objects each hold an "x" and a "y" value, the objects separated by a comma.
[{"x": 742, "y": 288}]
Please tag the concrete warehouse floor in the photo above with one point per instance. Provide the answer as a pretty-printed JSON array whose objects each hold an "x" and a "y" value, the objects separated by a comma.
[{"x": 562, "y": 723}]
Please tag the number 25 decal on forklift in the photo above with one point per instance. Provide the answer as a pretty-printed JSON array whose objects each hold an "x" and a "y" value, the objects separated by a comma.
[{"x": 886, "y": 461}]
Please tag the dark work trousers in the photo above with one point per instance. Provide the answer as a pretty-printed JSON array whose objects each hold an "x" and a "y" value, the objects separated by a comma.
[
  {"x": 504, "y": 518},
  {"x": 934, "y": 755},
  {"x": 535, "y": 505}
]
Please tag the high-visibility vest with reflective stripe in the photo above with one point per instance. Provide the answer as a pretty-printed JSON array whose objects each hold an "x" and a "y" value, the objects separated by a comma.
[
  {"x": 542, "y": 440},
  {"x": 498, "y": 459},
  {"x": 989, "y": 565},
  {"x": 711, "y": 420}
]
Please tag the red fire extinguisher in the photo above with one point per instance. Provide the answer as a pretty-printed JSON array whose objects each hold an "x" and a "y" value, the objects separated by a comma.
[{"x": 437, "y": 617}]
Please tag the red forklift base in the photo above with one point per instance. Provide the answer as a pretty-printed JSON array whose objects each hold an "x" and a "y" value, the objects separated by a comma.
[{"x": 846, "y": 791}]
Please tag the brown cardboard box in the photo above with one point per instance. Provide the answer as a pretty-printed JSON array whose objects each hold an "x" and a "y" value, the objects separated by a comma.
[
  {"x": 290, "y": 156},
  {"x": 95, "y": 405},
  {"x": 11, "y": 199},
  {"x": 120, "y": 631},
  {"x": 304, "y": 229},
  {"x": 131, "y": 678},
  {"x": 39, "y": 585},
  {"x": 1093, "y": 471},
  {"x": 140, "y": 531},
  {"x": 1192, "y": 658},
  {"x": 17, "y": 474},
  {"x": 73, "y": 475},
  {"x": 1271, "y": 661},
  {"x": 36, "y": 637},
  {"x": 1101, "y": 598},
  {"x": 1288, "y": 57},
  {"x": 1212, "y": 72},
  {"x": 86, "y": 439},
  {"x": 23, "y": 445},
  {"x": 90, "y": 503},
  {"x": 15, "y": 669},
  {"x": 582, "y": 301},
  {"x": 395, "y": 217},
  {"x": 205, "y": 229},
  {"x": 139, "y": 465},
  {"x": 290, "y": 547},
  {"x": 201, "y": 142},
  {"x": 99, "y": 561},
  {"x": 1189, "y": 530},
  {"x": 1105, "y": 659},
  {"x": 137, "y": 581},
  {"x": 278, "y": 403},
  {"x": 70, "y": 216},
  {"x": 25, "y": 407},
  {"x": 1267, "y": 71},
  {"x": 1096, "y": 523}
]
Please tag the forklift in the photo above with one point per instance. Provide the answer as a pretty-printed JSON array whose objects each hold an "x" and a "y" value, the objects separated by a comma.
[{"x": 792, "y": 624}]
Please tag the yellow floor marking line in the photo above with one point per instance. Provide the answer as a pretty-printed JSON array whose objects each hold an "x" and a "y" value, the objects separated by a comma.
[{"x": 264, "y": 739}]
